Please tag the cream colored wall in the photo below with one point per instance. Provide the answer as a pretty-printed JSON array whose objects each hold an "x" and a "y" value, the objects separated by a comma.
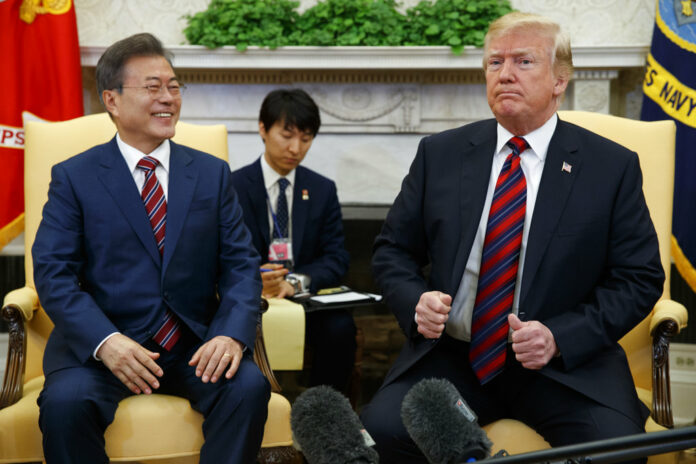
[{"x": 590, "y": 22}]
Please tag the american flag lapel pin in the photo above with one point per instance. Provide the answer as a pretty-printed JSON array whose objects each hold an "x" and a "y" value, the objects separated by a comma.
[
  {"x": 566, "y": 167},
  {"x": 305, "y": 194}
]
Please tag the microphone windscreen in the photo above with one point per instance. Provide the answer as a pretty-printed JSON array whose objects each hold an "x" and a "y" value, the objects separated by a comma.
[
  {"x": 440, "y": 422},
  {"x": 327, "y": 429}
]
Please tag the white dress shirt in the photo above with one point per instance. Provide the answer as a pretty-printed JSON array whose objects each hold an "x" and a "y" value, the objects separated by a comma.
[
  {"x": 532, "y": 162},
  {"x": 270, "y": 181},
  {"x": 132, "y": 155}
]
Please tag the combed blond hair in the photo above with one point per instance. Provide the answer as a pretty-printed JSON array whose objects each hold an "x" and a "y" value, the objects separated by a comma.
[{"x": 562, "y": 56}]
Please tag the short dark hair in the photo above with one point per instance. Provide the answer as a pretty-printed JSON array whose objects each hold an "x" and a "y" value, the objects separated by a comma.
[
  {"x": 293, "y": 107},
  {"x": 109, "y": 73}
]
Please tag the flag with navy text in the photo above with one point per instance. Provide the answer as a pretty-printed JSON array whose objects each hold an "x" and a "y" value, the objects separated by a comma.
[{"x": 670, "y": 93}]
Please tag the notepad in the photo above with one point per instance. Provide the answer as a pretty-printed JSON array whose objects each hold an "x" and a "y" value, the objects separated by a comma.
[{"x": 344, "y": 297}]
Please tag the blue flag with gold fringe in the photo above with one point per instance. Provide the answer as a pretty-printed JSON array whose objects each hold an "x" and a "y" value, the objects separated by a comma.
[{"x": 670, "y": 93}]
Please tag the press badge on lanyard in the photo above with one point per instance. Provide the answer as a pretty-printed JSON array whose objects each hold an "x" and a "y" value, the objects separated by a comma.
[{"x": 280, "y": 249}]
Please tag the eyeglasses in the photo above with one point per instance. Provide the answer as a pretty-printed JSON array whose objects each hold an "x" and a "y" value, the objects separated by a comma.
[{"x": 156, "y": 91}]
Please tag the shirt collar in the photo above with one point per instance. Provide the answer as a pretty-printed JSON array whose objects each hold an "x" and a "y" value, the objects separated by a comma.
[
  {"x": 538, "y": 140},
  {"x": 270, "y": 176},
  {"x": 132, "y": 155}
]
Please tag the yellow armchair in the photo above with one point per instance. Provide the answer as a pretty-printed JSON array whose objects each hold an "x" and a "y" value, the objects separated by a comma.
[
  {"x": 647, "y": 345},
  {"x": 133, "y": 436}
]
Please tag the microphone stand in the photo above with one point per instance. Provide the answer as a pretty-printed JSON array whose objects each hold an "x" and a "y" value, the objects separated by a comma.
[{"x": 608, "y": 451}]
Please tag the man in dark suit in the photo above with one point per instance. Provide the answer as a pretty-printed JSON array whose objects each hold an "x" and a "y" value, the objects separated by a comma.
[
  {"x": 541, "y": 255},
  {"x": 144, "y": 265},
  {"x": 295, "y": 221}
]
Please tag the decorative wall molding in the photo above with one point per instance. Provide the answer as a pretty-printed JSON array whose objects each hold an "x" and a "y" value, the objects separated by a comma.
[
  {"x": 595, "y": 74},
  {"x": 598, "y": 22},
  {"x": 682, "y": 368},
  {"x": 335, "y": 76},
  {"x": 367, "y": 58},
  {"x": 589, "y": 22}
]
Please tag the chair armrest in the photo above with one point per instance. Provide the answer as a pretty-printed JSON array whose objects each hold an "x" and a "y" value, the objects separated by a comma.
[
  {"x": 25, "y": 299},
  {"x": 669, "y": 310},
  {"x": 669, "y": 317},
  {"x": 18, "y": 308},
  {"x": 260, "y": 355}
]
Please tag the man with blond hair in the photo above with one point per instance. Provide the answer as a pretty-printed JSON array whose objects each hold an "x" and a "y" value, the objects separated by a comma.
[{"x": 541, "y": 256}]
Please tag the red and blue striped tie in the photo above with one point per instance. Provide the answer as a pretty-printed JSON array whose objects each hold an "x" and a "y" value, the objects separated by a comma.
[
  {"x": 156, "y": 209},
  {"x": 498, "y": 274}
]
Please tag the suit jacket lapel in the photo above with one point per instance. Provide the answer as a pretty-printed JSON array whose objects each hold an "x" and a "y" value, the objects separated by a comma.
[
  {"x": 476, "y": 162},
  {"x": 554, "y": 189},
  {"x": 118, "y": 180},
  {"x": 182, "y": 183},
  {"x": 300, "y": 211},
  {"x": 258, "y": 198}
]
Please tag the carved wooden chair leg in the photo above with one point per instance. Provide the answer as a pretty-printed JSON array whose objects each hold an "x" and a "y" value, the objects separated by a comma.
[
  {"x": 13, "y": 382},
  {"x": 662, "y": 395}
]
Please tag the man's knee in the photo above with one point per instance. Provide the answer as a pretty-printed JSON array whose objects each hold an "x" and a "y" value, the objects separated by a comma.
[
  {"x": 595, "y": 422},
  {"x": 61, "y": 409},
  {"x": 74, "y": 406},
  {"x": 253, "y": 388}
]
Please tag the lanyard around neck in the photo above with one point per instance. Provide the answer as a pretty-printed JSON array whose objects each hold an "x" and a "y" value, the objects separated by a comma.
[{"x": 273, "y": 214}]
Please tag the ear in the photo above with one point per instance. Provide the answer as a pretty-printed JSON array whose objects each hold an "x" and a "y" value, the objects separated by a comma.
[
  {"x": 110, "y": 99},
  {"x": 262, "y": 131},
  {"x": 559, "y": 86}
]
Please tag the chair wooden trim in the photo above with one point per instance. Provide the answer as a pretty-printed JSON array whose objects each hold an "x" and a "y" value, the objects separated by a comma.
[
  {"x": 260, "y": 354},
  {"x": 662, "y": 394},
  {"x": 13, "y": 382}
]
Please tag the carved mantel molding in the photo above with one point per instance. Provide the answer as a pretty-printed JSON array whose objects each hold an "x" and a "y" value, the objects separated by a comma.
[{"x": 367, "y": 58}]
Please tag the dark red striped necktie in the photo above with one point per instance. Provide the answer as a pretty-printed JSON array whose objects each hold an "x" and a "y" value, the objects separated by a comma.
[
  {"x": 156, "y": 209},
  {"x": 499, "y": 263}
]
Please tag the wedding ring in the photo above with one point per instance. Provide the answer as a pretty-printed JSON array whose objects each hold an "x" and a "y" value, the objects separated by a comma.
[{"x": 226, "y": 354}]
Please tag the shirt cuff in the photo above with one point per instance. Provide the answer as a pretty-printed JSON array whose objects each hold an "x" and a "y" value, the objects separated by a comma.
[{"x": 94, "y": 353}]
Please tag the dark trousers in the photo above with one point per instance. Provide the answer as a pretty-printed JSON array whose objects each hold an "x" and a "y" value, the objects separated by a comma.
[
  {"x": 331, "y": 337},
  {"x": 77, "y": 404},
  {"x": 559, "y": 414}
]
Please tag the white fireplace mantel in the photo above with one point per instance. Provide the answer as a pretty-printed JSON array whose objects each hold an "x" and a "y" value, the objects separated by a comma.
[
  {"x": 376, "y": 102},
  {"x": 368, "y": 58}
]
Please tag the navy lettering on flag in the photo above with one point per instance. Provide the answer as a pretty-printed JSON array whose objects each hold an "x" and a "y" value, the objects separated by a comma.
[{"x": 669, "y": 90}]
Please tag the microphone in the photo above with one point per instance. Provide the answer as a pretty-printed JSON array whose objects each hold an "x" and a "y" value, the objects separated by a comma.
[
  {"x": 442, "y": 425},
  {"x": 327, "y": 430}
]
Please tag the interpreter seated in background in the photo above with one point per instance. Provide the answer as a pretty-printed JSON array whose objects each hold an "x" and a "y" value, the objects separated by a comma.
[
  {"x": 296, "y": 226},
  {"x": 144, "y": 265},
  {"x": 542, "y": 255}
]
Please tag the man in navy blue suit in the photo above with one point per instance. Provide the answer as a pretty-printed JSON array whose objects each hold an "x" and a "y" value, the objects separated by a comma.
[
  {"x": 143, "y": 263},
  {"x": 540, "y": 255},
  {"x": 295, "y": 221}
]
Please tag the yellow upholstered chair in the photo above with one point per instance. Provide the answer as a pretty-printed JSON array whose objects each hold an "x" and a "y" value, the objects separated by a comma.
[
  {"x": 647, "y": 344},
  {"x": 157, "y": 428}
]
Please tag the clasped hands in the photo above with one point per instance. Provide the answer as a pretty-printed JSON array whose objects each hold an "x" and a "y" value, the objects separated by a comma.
[
  {"x": 137, "y": 368},
  {"x": 532, "y": 342}
]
